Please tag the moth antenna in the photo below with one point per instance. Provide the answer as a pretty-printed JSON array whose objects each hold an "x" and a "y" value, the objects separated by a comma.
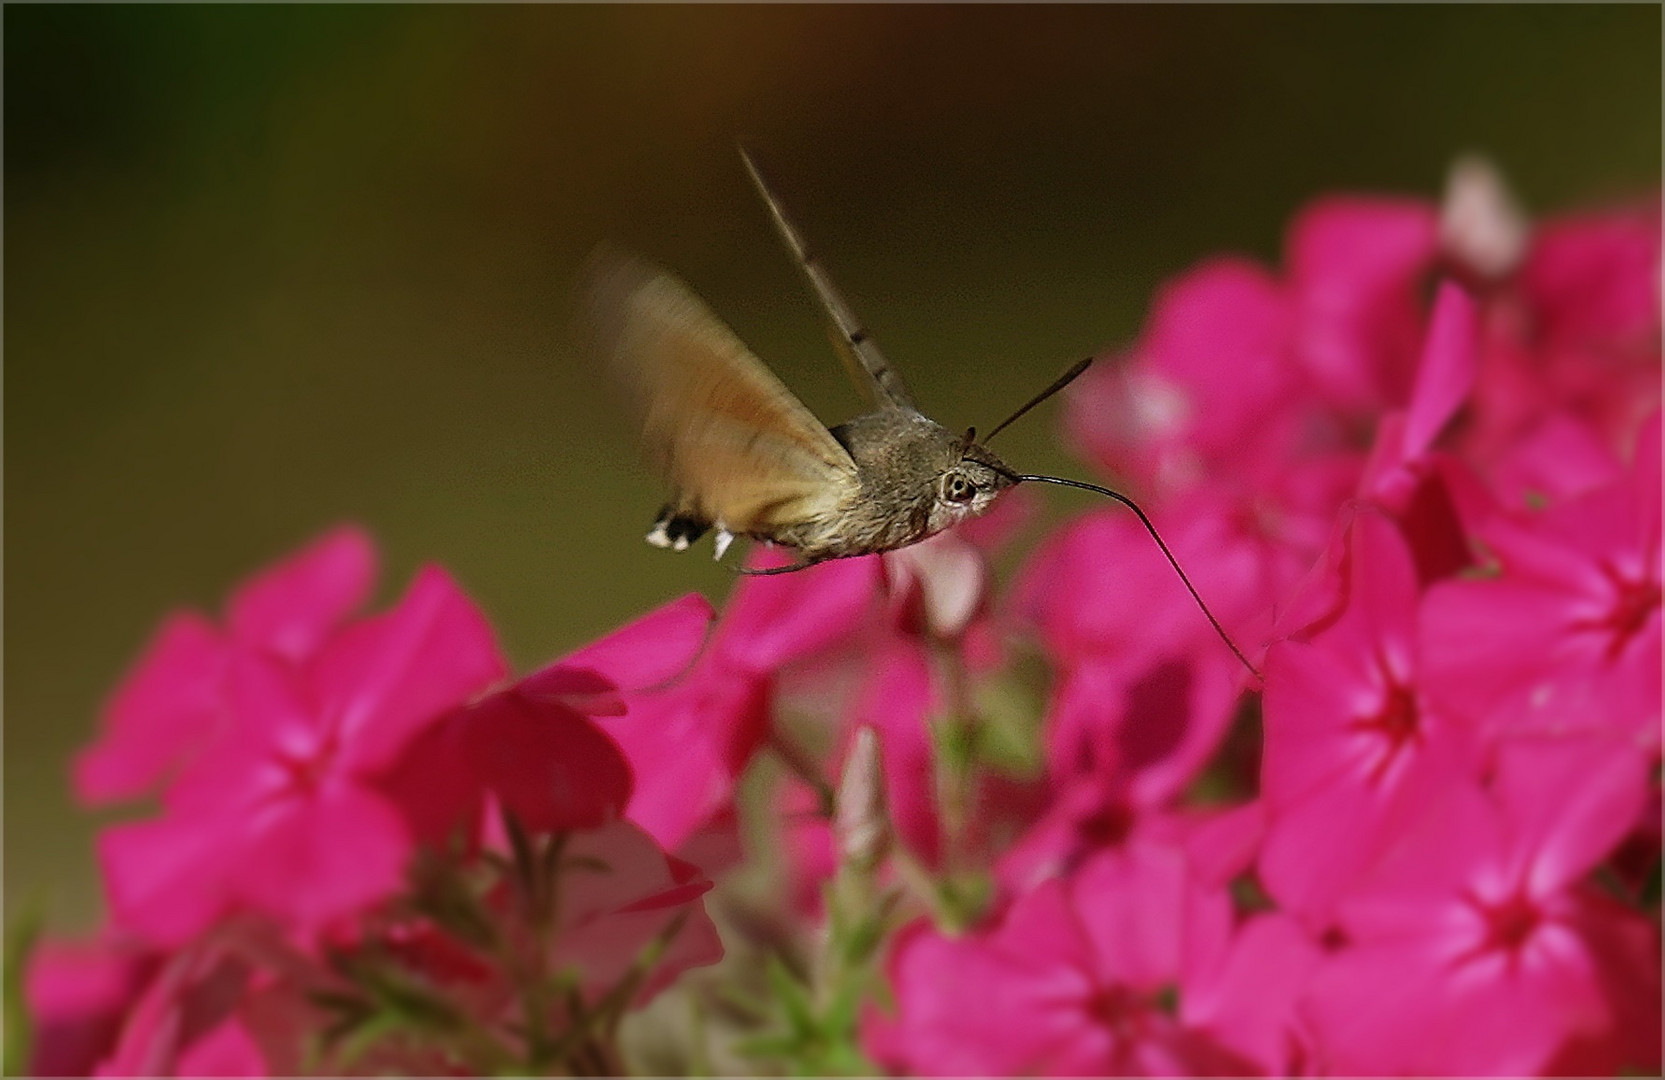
[
  {"x": 886, "y": 382},
  {"x": 1154, "y": 535},
  {"x": 1062, "y": 381}
]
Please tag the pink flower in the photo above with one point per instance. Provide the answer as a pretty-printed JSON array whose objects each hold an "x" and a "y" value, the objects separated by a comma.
[
  {"x": 1474, "y": 948},
  {"x": 169, "y": 705},
  {"x": 1069, "y": 983},
  {"x": 282, "y": 812},
  {"x": 1576, "y": 340},
  {"x": 1354, "y": 268},
  {"x": 1567, "y": 635},
  {"x": 1176, "y": 409},
  {"x": 189, "y": 1021},
  {"x": 1354, "y": 746}
]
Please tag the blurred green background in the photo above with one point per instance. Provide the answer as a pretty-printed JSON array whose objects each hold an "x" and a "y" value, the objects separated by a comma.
[{"x": 270, "y": 268}]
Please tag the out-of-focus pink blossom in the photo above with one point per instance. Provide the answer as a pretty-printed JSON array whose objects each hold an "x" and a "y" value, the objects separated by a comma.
[
  {"x": 78, "y": 994},
  {"x": 187, "y": 1021},
  {"x": 1475, "y": 949},
  {"x": 1173, "y": 411},
  {"x": 169, "y": 705},
  {"x": 282, "y": 812},
  {"x": 1354, "y": 265}
]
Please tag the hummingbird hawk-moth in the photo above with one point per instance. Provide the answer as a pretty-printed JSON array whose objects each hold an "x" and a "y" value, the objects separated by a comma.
[{"x": 743, "y": 456}]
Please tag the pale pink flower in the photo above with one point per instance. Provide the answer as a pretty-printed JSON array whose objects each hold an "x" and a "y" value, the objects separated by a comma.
[{"x": 619, "y": 893}]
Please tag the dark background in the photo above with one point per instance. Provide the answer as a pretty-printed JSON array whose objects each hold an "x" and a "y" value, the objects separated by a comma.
[{"x": 270, "y": 268}]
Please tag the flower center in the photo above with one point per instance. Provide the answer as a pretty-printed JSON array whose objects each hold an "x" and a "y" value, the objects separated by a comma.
[
  {"x": 1120, "y": 1010},
  {"x": 305, "y": 769},
  {"x": 1634, "y": 603},
  {"x": 1510, "y": 922},
  {"x": 1395, "y": 722}
]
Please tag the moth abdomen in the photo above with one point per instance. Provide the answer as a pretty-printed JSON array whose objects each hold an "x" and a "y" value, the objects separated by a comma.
[{"x": 676, "y": 529}]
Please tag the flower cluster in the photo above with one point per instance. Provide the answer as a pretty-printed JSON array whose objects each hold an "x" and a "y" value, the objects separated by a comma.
[
  {"x": 373, "y": 851},
  {"x": 1054, "y": 827}
]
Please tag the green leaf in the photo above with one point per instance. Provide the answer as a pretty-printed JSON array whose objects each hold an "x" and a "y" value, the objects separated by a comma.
[{"x": 793, "y": 996}]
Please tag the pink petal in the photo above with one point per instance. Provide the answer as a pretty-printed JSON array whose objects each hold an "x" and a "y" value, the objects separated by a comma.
[
  {"x": 162, "y": 712},
  {"x": 981, "y": 1007},
  {"x": 770, "y": 621},
  {"x": 1624, "y": 947},
  {"x": 686, "y": 747},
  {"x": 438, "y": 799},
  {"x": 1446, "y": 374},
  {"x": 1597, "y": 276},
  {"x": 166, "y": 880},
  {"x": 1220, "y": 333},
  {"x": 178, "y": 1025},
  {"x": 195, "y": 993},
  {"x": 1599, "y": 785},
  {"x": 651, "y": 650},
  {"x": 1394, "y": 1008},
  {"x": 1380, "y": 620},
  {"x": 228, "y": 1050},
  {"x": 1354, "y": 265},
  {"x": 292, "y": 607},
  {"x": 1248, "y": 1000},
  {"x": 1131, "y": 903},
  {"x": 1148, "y": 727},
  {"x": 388, "y": 677},
  {"x": 310, "y": 860},
  {"x": 1560, "y": 458},
  {"x": 549, "y": 765},
  {"x": 1224, "y": 844},
  {"x": 619, "y": 893}
]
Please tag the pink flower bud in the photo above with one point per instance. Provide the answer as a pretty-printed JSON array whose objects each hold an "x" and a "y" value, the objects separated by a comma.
[{"x": 860, "y": 824}]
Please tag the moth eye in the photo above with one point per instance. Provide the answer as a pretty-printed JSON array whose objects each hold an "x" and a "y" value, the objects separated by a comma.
[{"x": 959, "y": 489}]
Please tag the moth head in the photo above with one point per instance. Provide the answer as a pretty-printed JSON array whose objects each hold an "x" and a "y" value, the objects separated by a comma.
[{"x": 970, "y": 485}]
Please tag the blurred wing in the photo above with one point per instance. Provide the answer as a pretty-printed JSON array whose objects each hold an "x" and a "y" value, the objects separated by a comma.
[{"x": 729, "y": 437}]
